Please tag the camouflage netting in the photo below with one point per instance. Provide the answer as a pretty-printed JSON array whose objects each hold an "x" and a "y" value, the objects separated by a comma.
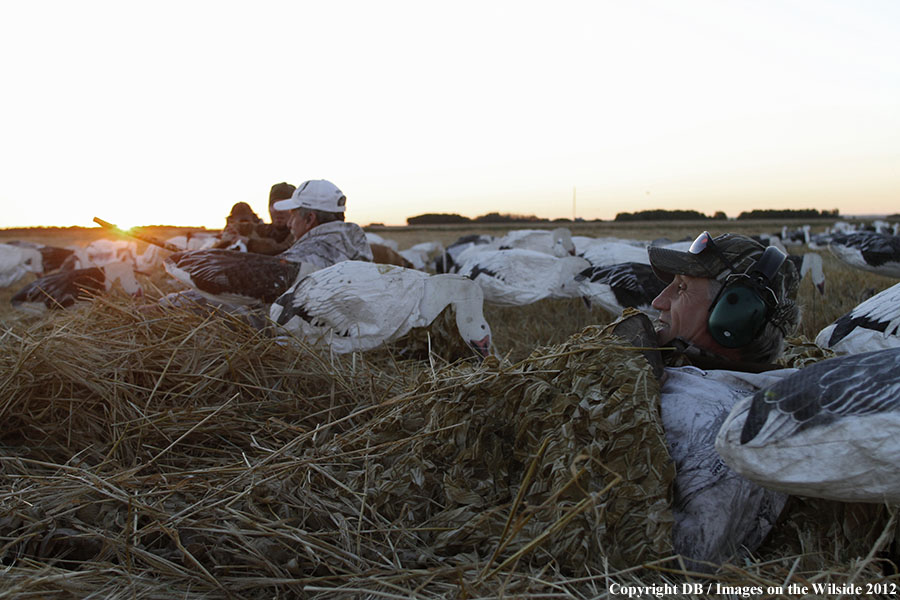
[
  {"x": 799, "y": 352},
  {"x": 566, "y": 448}
]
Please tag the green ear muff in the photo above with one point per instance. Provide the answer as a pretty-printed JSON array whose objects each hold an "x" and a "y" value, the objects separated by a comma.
[
  {"x": 737, "y": 316},
  {"x": 740, "y": 310}
]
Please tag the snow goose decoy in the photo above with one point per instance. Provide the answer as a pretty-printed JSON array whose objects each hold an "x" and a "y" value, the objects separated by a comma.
[
  {"x": 374, "y": 238},
  {"x": 358, "y": 306},
  {"x": 420, "y": 255},
  {"x": 232, "y": 277},
  {"x": 557, "y": 242},
  {"x": 830, "y": 430},
  {"x": 617, "y": 287},
  {"x": 448, "y": 261},
  {"x": 810, "y": 263},
  {"x": 52, "y": 257},
  {"x": 872, "y": 325},
  {"x": 795, "y": 237},
  {"x": 102, "y": 252},
  {"x": 603, "y": 253},
  {"x": 517, "y": 277},
  {"x": 194, "y": 240},
  {"x": 16, "y": 262},
  {"x": 64, "y": 288},
  {"x": 879, "y": 253}
]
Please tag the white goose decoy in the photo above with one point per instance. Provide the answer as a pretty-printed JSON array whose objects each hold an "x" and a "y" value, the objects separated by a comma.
[
  {"x": 873, "y": 325},
  {"x": 64, "y": 288},
  {"x": 234, "y": 277},
  {"x": 870, "y": 251},
  {"x": 422, "y": 254},
  {"x": 16, "y": 262},
  {"x": 448, "y": 261},
  {"x": 102, "y": 252},
  {"x": 516, "y": 277},
  {"x": 374, "y": 238},
  {"x": 810, "y": 263},
  {"x": 357, "y": 306},
  {"x": 557, "y": 242},
  {"x": 796, "y": 236},
  {"x": 150, "y": 259},
  {"x": 52, "y": 257},
  {"x": 829, "y": 430},
  {"x": 617, "y": 287},
  {"x": 194, "y": 240},
  {"x": 602, "y": 253}
]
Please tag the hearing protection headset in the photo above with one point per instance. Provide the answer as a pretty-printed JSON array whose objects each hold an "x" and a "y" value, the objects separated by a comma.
[{"x": 746, "y": 301}]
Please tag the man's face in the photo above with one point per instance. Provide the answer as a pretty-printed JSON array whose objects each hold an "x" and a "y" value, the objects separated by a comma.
[
  {"x": 300, "y": 222},
  {"x": 280, "y": 218},
  {"x": 684, "y": 310}
]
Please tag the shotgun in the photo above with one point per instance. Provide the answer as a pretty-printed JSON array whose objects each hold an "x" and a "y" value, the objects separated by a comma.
[{"x": 138, "y": 236}]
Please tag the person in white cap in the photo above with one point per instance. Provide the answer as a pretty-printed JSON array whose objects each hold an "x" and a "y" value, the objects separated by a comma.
[{"x": 317, "y": 223}]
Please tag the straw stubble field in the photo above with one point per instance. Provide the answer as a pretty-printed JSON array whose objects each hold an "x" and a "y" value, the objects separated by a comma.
[{"x": 174, "y": 455}]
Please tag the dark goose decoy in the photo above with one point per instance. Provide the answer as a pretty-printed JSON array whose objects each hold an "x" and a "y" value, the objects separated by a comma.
[
  {"x": 357, "y": 306},
  {"x": 870, "y": 251},
  {"x": 872, "y": 325},
  {"x": 617, "y": 287},
  {"x": 233, "y": 277},
  {"x": 830, "y": 430},
  {"x": 52, "y": 257},
  {"x": 64, "y": 288}
]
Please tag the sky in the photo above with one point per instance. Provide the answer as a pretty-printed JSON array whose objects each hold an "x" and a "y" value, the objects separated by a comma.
[{"x": 170, "y": 112}]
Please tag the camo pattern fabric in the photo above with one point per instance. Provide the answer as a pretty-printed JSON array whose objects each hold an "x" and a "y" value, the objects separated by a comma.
[
  {"x": 560, "y": 459},
  {"x": 329, "y": 244}
]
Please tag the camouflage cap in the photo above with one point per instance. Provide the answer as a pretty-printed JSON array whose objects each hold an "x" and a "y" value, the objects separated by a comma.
[
  {"x": 742, "y": 252},
  {"x": 738, "y": 250},
  {"x": 280, "y": 191}
]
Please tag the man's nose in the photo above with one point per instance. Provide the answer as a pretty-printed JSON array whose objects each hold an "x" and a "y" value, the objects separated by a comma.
[{"x": 661, "y": 302}]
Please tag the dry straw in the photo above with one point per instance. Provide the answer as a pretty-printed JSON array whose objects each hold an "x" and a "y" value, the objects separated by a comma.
[{"x": 150, "y": 454}]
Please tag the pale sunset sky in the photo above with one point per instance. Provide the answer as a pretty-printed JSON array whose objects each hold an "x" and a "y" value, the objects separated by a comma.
[{"x": 170, "y": 112}]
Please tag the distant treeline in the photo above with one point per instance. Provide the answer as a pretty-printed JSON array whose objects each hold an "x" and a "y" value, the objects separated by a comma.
[
  {"x": 454, "y": 219},
  {"x": 803, "y": 213},
  {"x": 693, "y": 215},
  {"x": 669, "y": 215}
]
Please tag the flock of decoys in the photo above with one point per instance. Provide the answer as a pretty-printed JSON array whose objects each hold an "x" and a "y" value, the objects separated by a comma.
[
  {"x": 845, "y": 405},
  {"x": 519, "y": 268}
]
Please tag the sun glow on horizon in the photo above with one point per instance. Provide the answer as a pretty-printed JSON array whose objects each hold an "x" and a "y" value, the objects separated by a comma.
[{"x": 706, "y": 105}]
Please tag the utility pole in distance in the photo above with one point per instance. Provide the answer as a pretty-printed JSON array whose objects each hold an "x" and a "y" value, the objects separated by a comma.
[{"x": 573, "y": 204}]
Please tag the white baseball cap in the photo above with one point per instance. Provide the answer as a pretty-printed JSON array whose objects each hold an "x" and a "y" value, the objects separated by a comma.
[{"x": 318, "y": 194}]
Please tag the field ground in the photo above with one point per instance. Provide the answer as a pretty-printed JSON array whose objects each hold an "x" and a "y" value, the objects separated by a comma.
[{"x": 172, "y": 455}]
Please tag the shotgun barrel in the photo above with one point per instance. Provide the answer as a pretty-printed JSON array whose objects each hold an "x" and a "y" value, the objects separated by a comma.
[{"x": 138, "y": 236}]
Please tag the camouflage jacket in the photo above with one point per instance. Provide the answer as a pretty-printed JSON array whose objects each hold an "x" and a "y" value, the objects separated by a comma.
[{"x": 328, "y": 244}]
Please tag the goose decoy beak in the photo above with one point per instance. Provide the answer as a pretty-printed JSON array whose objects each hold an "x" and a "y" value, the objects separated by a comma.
[{"x": 482, "y": 346}]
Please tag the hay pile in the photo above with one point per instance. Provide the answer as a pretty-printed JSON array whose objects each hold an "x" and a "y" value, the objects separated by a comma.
[
  {"x": 148, "y": 455},
  {"x": 559, "y": 460}
]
